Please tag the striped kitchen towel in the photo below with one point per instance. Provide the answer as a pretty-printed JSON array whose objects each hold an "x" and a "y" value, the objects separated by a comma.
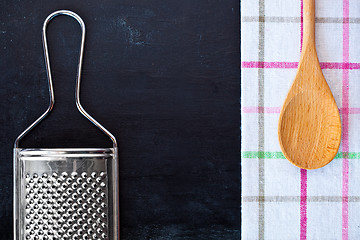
[{"x": 279, "y": 200}]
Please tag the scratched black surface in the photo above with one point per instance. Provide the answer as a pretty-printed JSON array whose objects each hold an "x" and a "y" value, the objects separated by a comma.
[{"x": 163, "y": 77}]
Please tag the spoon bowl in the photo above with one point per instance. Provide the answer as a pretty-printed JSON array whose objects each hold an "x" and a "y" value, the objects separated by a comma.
[{"x": 312, "y": 140}]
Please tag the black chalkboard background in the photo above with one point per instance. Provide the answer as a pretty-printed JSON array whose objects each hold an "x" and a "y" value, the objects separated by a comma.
[{"x": 163, "y": 77}]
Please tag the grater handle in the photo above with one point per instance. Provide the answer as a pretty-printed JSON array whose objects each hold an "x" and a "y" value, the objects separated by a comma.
[{"x": 78, "y": 78}]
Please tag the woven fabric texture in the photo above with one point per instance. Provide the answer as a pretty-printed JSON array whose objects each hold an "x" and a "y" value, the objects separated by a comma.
[{"x": 279, "y": 200}]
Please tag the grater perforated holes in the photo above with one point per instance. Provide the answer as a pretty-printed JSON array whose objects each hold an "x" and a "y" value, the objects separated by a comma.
[{"x": 66, "y": 206}]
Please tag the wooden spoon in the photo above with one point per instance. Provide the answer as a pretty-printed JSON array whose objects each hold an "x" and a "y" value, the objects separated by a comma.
[{"x": 309, "y": 125}]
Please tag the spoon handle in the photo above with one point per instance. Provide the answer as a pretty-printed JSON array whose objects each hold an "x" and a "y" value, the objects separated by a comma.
[{"x": 309, "y": 23}]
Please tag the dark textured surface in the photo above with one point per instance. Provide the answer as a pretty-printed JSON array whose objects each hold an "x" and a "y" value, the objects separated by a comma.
[{"x": 163, "y": 77}]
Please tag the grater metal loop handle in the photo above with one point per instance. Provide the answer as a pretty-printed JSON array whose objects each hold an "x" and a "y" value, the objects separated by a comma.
[{"x": 78, "y": 78}]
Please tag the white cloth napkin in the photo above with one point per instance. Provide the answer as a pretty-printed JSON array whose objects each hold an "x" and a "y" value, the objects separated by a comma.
[{"x": 279, "y": 200}]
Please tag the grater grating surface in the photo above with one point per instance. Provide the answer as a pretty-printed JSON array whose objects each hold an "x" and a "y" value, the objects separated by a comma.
[
  {"x": 66, "y": 193},
  {"x": 66, "y": 206}
]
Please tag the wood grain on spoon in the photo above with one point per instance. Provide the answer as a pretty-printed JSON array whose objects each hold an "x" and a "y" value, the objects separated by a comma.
[{"x": 309, "y": 125}]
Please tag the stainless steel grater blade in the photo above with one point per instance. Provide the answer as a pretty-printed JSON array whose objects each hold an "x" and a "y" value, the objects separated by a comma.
[{"x": 66, "y": 193}]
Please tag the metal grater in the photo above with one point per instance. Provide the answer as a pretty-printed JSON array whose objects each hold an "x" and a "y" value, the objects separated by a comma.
[{"x": 66, "y": 193}]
